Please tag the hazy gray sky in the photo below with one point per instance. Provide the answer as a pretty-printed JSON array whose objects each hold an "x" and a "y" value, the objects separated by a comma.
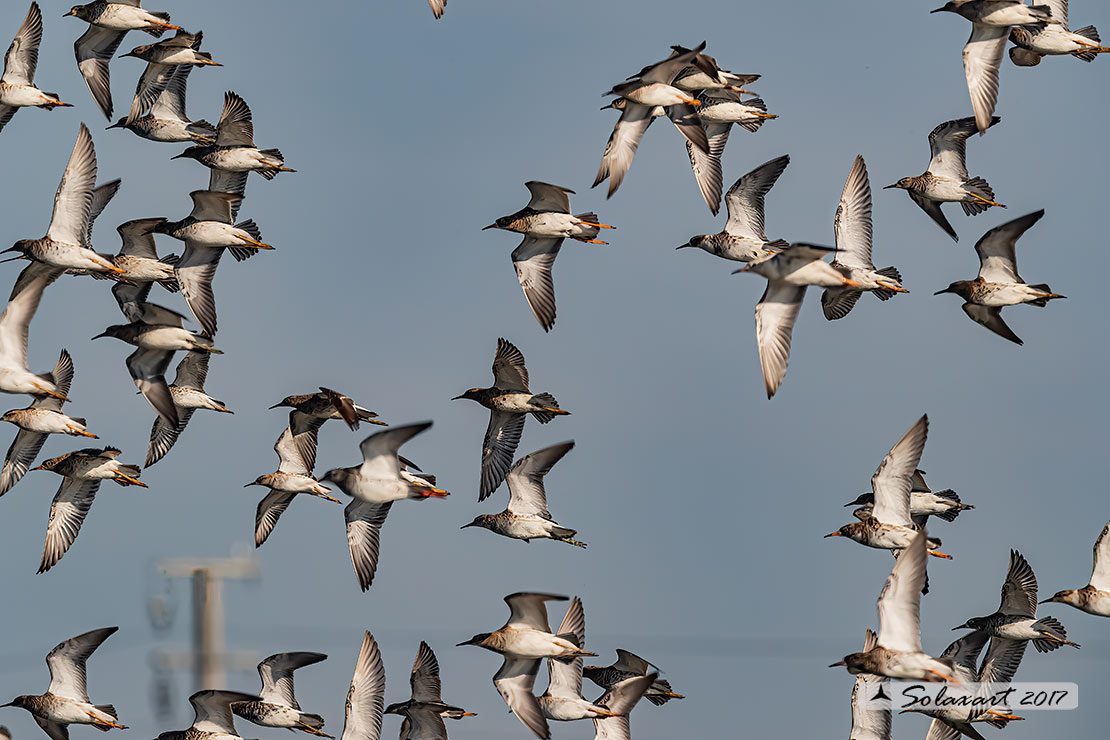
[{"x": 703, "y": 503}]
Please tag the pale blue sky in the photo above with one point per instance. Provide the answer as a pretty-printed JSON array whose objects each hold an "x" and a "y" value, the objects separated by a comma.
[{"x": 703, "y": 503}]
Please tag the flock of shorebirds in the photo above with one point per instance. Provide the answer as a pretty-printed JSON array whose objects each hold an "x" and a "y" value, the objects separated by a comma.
[{"x": 703, "y": 101}]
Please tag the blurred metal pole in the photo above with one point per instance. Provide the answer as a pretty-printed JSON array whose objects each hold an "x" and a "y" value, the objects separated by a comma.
[{"x": 209, "y": 660}]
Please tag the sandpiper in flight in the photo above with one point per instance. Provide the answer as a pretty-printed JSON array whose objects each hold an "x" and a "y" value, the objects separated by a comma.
[
  {"x": 526, "y": 517},
  {"x": 1016, "y": 618},
  {"x": 213, "y": 719},
  {"x": 545, "y": 222},
  {"x": 375, "y": 485},
  {"x": 743, "y": 238},
  {"x": 109, "y": 21},
  {"x": 509, "y": 402},
  {"x": 1033, "y": 43},
  {"x": 563, "y": 700},
  {"x": 524, "y": 641},
  {"x": 852, "y": 225},
  {"x": 947, "y": 180},
  {"x": 311, "y": 410},
  {"x": 43, "y": 417},
  {"x": 1094, "y": 598},
  {"x": 17, "y": 86},
  {"x": 81, "y": 471},
  {"x": 66, "y": 701},
  {"x": 889, "y": 526},
  {"x": 187, "y": 393},
  {"x": 293, "y": 476},
  {"x": 998, "y": 283},
  {"x": 898, "y": 652},
  {"x": 788, "y": 272},
  {"x": 990, "y": 27},
  {"x": 278, "y": 706}
]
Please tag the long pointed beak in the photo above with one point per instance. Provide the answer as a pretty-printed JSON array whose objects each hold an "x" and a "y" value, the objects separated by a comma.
[
  {"x": 895, "y": 185},
  {"x": 178, "y": 156},
  {"x": 248, "y": 485},
  {"x": 1046, "y": 601},
  {"x": 961, "y": 627},
  {"x": 837, "y": 664},
  {"x": 13, "y": 259},
  {"x": 832, "y": 534},
  {"x": 491, "y": 226},
  {"x": 456, "y": 398},
  {"x": 745, "y": 268},
  {"x": 98, "y": 336},
  {"x": 276, "y": 406},
  {"x": 938, "y": 10},
  {"x": 941, "y": 292},
  {"x": 680, "y": 246}
]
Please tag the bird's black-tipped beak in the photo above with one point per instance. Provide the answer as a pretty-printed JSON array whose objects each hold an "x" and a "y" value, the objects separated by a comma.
[
  {"x": 963, "y": 626},
  {"x": 468, "y": 524},
  {"x": 491, "y": 226},
  {"x": 891, "y": 187},
  {"x": 837, "y": 664},
  {"x": 941, "y": 292},
  {"x": 456, "y": 398},
  {"x": 850, "y": 503},
  {"x": 277, "y": 405},
  {"x": 680, "y": 246},
  {"x": 118, "y": 124},
  {"x": 745, "y": 268},
  {"x": 938, "y": 10},
  {"x": 1046, "y": 601},
  {"x": 102, "y": 334},
  {"x": 178, "y": 156}
]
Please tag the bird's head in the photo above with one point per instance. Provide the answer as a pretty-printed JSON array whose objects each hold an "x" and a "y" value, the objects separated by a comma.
[
  {"x": 193, "y": 152},
  {"x": 950, "y": 7},
  {"x": 855, "y": 663},
  {"x": 472, "y": 394},
  {"x": 618, "y": 104},
  {"x": 845, "y": 531},
  {"x": 1067, "y": 596},
  {"x": 862, "y": 500},
  {"x": 695, "y": 241},
  {"x": 960, "y": 288},
  {"x": 19, "y": 701},
  {"x": 259, "y": 481},
  {"x": 338, "y": 476},
  {"x": 502, "y": 223},
  {"x": 286, "y": 402},
  {"x": 121, "y": 123},
  {"x": 482, "y": 520},
  {"x": 904, "y": 184},
  {"x": 22, "y": 247},
  {"x": 52, "y": 463},
  {"x": 138, "y": 51},
  {"x": 975, "y": 623},
  {"x": 398, "y": 708},
  {"x": 116, "y": 330},
  {"x": 476, "y": 640},
  {"x": 79, "y": 11}
]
